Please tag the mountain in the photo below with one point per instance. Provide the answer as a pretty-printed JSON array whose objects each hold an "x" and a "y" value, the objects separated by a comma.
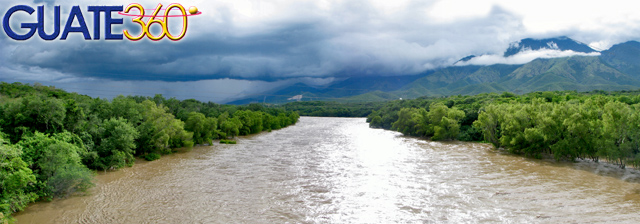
[
  {"x": 351, "y": 86},
  {"x": 582, "y": 73},
  {"x": 559, "y": 43},
  {"x": 624, "y": 57},
  {"x": 529, "y": 44},
  {"x": 617, "y": 68},
  {"x": 465, "y": 59}
]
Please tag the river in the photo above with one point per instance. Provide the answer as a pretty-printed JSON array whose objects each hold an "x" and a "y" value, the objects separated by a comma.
[{"x": 337, "y": 170}]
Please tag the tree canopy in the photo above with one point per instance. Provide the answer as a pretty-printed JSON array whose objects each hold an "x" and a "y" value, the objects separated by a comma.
[{"x": 564, "y": 124}]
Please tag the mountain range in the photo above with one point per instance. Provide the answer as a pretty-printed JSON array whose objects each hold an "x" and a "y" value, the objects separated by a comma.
[{"x": 617, "y": 68}]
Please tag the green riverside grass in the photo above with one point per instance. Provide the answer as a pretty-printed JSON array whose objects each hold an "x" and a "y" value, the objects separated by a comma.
[
  {"x": 152, "y": 156},
  {"x": 224, "y": 141}
]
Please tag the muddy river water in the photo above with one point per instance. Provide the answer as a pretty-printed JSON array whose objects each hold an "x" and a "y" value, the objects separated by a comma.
[{"x": 337, "y": 170}]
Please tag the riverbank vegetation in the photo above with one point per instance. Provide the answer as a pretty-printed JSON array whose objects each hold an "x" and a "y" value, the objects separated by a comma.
[
  {"x": 566, "y": 125},
  {"x": 226, "y": 141},
  {"x": 51, "y": 141}
]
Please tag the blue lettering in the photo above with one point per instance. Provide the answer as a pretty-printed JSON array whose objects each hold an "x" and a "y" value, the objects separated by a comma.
[
  {"x": 108, "y": 21},
  {"x": 56, "y": 26},
  {"x": 7, "y": 27},
  {"x": 76, "y": 13}
]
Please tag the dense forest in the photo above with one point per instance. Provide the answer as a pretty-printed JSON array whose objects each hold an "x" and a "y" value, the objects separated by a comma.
[
  {"x": 52, "y": 141},
  {"x": 564, "y": 124}
]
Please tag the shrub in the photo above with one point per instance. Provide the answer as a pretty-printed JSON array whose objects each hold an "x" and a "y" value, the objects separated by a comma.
[
  {"x": 152, "y": 156},
  {"x": 224, "y": 141}
]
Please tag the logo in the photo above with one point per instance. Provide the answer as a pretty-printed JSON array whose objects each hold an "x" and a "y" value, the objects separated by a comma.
[{"x": 156, "y": 18}]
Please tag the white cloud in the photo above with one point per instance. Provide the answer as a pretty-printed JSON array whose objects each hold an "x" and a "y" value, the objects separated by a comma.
[
  {"x": 451, "y": 10},
  {"x": 523, "y": 57}
]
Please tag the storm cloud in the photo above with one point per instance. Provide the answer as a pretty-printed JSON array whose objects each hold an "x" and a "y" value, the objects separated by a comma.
[{"x": 277, "y": 42}]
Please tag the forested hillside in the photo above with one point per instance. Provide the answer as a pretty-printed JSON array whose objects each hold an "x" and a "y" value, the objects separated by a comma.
[
  {"x": 614, "y": 69},
  {"x": 52, "y": 140}
]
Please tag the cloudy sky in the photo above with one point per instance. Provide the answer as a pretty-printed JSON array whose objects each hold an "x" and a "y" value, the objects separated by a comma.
[{"x": 239, "y": 48}]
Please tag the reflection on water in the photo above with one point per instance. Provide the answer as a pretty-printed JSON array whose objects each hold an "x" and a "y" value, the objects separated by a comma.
[{"x": 337, "y": 170}]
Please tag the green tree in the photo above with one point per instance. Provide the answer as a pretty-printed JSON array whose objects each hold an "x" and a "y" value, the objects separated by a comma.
[
  {"x": 488, "y": 122},
  {"x": 15, "y": 177},
  {"x": 159, "y": 130},
  {"x": 445, "y": 121},
  {"x": 211, "y": 125},
  {"x": 34, "y": 113},
  {"x": 247, "y": 119},
  {"x": 116, "y": 144},
  {"x": 57, "y": 164},
  {"x": 615, "y": 124},
  {"x": 411, "y": 121},
  {"x": 196, "y": 123},
  {"x": 127, "y": 108},
  {"x": 231, "y": 127}
]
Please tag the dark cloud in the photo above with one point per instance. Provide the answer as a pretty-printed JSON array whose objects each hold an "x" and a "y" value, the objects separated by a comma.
[
  {"x": 348, "y": 39},
  {"x": 273, "y": 43}
]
